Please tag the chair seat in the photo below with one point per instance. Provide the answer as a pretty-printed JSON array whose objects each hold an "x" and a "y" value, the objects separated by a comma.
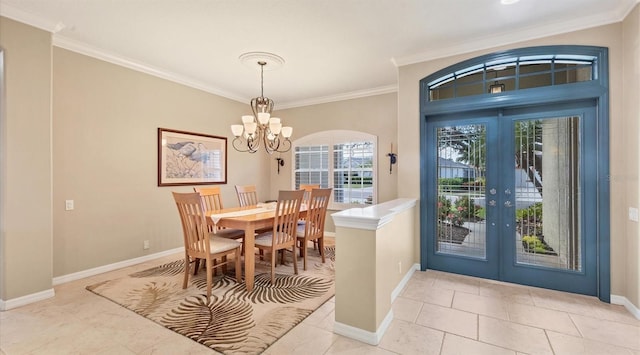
[
  {"x": 219, "y": 245},
  {"x": 230, "y": 233},
  {"x": 264, "y": 239}
]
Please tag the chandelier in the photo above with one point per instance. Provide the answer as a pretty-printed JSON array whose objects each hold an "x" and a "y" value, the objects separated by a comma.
[{"x": 261, "y": 128}]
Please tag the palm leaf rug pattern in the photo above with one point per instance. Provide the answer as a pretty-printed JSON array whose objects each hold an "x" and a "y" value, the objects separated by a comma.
[{"x": 234, "y": 320}]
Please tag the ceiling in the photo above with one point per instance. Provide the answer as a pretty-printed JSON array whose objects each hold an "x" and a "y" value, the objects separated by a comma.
[{"x": 333, "y": 49}]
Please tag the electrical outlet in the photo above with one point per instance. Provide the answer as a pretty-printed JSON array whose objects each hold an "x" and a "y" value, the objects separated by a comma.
[
  {"x": 68, "y": 205},
  {"x": 633, "y": 214},
  {"x": 145, "y": 244}
]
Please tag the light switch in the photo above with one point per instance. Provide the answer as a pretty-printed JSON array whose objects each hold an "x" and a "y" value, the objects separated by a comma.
[
  {"x": 633, "y": 214},
  {"x": 68, "y": 205}
]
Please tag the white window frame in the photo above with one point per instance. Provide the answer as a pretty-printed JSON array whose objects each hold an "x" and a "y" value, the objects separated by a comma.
[{"x": 330, "y": 138}]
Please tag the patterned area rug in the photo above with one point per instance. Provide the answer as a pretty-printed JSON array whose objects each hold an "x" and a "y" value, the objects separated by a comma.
[{"x": 234, "y": 321}]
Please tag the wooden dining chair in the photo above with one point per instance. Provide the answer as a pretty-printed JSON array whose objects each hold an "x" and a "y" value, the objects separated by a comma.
[
  {"x": 307, "y": 193},
  {"x": 247, "y": 195},
  {"x": 210, "y": 197},
  {"x": 212, "y": 201},
  {"x": 313, "y": 228},
  {"x": 283, "y": 235},
  {"x": 199, "y": 244}
]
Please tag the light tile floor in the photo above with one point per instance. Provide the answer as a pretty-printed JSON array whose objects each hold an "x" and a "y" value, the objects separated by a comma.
[{"x": 436, "y": 313}]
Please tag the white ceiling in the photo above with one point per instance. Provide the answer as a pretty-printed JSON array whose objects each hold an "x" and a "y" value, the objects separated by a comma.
[{"x": 333, "y": 49}]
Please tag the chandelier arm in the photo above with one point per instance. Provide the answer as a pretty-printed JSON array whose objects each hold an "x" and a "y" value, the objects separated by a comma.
[
  {"x": 286, "y": 143},
  {"x": 268, "y": 144},
  {"x": 237, "y": 144},
  {"x": 253, "y": 144}
]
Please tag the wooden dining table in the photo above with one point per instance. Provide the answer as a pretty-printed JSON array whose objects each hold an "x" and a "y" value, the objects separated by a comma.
[{"x": 256, "y": 218}]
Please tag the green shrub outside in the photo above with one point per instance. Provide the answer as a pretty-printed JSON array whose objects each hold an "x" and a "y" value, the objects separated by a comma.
[{"x": 466, "y": 207}]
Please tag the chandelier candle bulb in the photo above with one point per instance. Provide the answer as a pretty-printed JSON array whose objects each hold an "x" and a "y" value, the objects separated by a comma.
[
  {"x": 237, "y": 130},
  {"x": 275, "y": 128},
  {"x": 263, "y": 118},
  {"x": 251, "y": 127},
  {"x": 287, "y": 131}
]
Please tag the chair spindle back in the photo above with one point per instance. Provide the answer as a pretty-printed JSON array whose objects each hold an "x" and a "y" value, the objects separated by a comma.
[{"x": 247, "y": 195}]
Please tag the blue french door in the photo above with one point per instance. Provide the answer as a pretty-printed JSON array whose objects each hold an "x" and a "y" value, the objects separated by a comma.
[{"x": 512, "y": 195}]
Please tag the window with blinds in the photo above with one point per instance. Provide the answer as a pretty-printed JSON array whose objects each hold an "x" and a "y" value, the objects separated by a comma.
[
  {"x": 342, "y": 160},
  {"x": 312, "y": 165},
  {"x": 353, "y": 173}
]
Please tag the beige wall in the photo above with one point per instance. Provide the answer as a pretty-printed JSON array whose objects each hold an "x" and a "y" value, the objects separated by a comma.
[
  {"x": 375, "y": 115},
  {"x": 623, "y": 164},
  {"x": 631, "y": 132},
  {"x": 105, "y": 120},
  {"x": 25, "y": 153}
]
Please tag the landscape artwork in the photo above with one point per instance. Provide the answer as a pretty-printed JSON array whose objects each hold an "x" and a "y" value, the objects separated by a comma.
[{"x": 187, "y": 158}]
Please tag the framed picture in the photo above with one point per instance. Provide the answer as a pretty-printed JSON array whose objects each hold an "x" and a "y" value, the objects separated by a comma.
[{"x": 187, "y": 158}]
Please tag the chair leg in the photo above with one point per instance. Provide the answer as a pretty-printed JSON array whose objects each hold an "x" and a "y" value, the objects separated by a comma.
[
  {"x": 321, "y": 246},
  {"x": 273, "y": 266},
  {"x": 187, "y": 265},
  {"x": 295, "y": 258},
  {"x": 224, "y": 264},
  {"x": 238, "y": 265},
  {"x": 304, "y": 255},
  {"x": 196, "y": 265},
  {"x": 210, "y": 269}
]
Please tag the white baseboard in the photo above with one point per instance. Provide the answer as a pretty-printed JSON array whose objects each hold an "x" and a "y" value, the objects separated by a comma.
[
  {"x": 25, "y": 300},
  {"x": 39, "y": 296},
  {"x": 621, "y": 300},
  {"x": 364, "y": 335},
  {"x": 105, "y": 268},
  {"x": 403, "y": 282}
]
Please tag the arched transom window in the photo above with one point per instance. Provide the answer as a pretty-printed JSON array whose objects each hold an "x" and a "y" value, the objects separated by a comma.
[{"x": 513, "y": 73}]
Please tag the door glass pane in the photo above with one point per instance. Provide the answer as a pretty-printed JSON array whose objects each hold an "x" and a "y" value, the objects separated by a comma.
[
  {"x": 547, "y": 193},
  {"x": 460, "y": 190}
]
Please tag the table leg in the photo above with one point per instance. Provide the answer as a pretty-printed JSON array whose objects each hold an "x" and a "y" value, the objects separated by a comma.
[{"x": 249, "y": 256}]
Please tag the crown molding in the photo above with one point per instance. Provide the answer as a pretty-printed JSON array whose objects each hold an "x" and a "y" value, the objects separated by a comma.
[
  {"x": 14, "y": 13},
  {"x": 339, "y": 97},
  {"x": 529, "y": 33},
  {"x": 82, "y": 48}
]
